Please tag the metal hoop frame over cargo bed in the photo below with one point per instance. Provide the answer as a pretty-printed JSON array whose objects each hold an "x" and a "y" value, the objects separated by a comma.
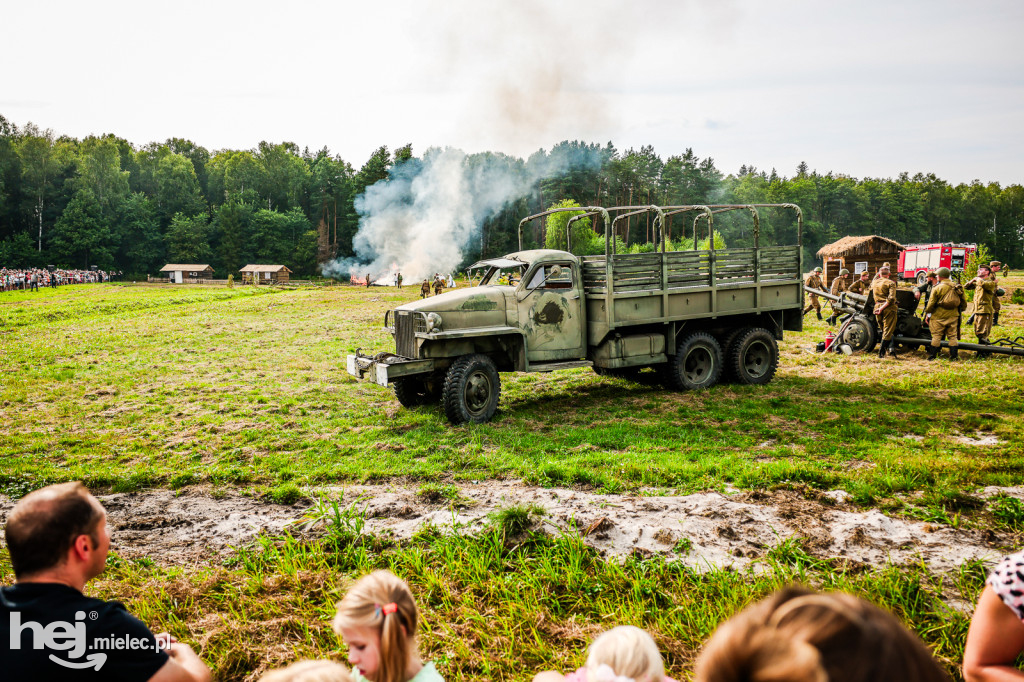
[{"x": 625, "y": 290}]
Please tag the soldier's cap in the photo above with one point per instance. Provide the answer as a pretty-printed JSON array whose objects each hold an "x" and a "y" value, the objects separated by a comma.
[
  {"x": 884, "y": 268},
  {"x": 995, "y": 264},
  {"x": 942, "y": 272},
  {"x": 885, "y": 265},
  {"x": 865, "y": 273},
  {"x": 844, "y": 271},
  {"x": 817, "y": 269},
  {"x": 931, "y": 273}
]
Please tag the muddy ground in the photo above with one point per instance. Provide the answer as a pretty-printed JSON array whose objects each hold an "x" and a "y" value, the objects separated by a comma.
[{"x": 701, "y": 530}]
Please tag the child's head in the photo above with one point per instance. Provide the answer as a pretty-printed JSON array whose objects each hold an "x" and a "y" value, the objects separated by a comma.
[
  {"x": 799, "y": 636},
  {"x": 309, "y": 671},
  {"x": 378, "y": 621},
  {"x": 624, "y": 653}
]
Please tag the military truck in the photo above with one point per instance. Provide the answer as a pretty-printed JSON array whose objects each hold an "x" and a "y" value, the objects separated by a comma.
[{"x": 693, "y": 316}]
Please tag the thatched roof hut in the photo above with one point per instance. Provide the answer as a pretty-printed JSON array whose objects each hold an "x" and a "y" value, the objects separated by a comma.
[
  {"x": 187, "y": 272},
  {"x": 857, "y": 254},
  {"x": 265, "y": 273}
]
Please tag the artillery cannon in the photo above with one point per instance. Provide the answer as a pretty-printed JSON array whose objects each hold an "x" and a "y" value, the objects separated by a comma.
[{"x": 860, "y": 330}]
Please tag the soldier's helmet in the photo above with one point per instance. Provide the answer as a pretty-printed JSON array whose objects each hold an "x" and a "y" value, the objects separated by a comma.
[
  {"x": 844, "y": 271},
  {"x": 942, "y": 272},
  {"x": 818, "y": 269}
]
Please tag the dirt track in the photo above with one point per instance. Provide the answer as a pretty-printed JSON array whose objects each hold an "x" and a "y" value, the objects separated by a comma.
[{"x": 722, "y": 530}]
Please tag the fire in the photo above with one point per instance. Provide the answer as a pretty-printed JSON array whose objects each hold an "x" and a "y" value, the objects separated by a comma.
[{"x": 387, "y": 279}]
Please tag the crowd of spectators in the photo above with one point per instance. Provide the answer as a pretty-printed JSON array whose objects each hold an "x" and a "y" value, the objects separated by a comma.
[
  {"x": 58, "y": 541},
  {"x": 32, "y": 279}
]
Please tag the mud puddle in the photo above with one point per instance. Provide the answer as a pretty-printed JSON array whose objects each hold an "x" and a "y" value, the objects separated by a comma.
[{"x": 702, "y": 530}]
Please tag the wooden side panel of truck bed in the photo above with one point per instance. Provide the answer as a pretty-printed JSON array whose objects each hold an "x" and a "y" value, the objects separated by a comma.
[{"x": 679, "y": 285}]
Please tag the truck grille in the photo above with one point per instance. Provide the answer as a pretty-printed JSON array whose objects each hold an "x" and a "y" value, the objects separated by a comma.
[{"x": 405, "y": 334}]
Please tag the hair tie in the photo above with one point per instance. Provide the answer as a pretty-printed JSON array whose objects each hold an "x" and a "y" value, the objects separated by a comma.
[{"x": 388, "y": 608}]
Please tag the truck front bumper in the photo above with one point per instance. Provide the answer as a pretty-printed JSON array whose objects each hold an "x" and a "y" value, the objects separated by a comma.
[{"x": 384, "y": 368}]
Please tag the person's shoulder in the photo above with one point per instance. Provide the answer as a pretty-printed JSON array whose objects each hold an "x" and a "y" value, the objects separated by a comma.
[{"x": 428, "y": 673}]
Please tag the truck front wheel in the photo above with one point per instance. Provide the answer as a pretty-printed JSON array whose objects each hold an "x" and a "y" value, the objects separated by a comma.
[
  {"x": 471, "y": 389},
  {"x": 696, "y": 364}
]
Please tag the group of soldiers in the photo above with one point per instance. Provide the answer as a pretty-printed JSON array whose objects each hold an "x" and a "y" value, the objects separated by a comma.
[
  {"x": 944, "y": 300},
  {"x": 438, "y": 284}
]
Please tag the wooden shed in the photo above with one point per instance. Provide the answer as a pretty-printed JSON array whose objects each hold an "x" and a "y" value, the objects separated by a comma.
[
  {"x": 264, "y": 274},
  {"x": 189, "y": 272},
  {"x": 857, "y": 254}
]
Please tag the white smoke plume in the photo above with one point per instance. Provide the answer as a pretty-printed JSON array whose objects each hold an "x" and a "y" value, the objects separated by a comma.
[{"x": 420, "y": 220}]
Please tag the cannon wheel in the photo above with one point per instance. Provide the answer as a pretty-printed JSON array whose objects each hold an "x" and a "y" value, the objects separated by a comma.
[
  {"x": 753, "y": 357},
  {"x": 861, "y": 335},
  {"x": 471, "y": 389},
  {"x": 696, "y": 364}
]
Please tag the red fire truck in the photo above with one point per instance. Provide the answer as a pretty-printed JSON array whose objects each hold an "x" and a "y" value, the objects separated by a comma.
[{"x": 918, "y": 259}]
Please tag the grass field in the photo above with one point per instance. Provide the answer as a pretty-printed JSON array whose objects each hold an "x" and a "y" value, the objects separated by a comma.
[{"x": 130, "y": 387}]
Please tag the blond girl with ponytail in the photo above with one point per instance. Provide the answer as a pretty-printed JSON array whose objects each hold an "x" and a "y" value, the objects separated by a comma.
[
  {"x": 622, "y": 654},
  {"x": 378, "y": 620},
  {"x": 800, "y": 636}
]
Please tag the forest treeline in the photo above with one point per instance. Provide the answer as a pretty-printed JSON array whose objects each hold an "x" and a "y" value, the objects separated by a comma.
[{"x": 106, "y": 202}]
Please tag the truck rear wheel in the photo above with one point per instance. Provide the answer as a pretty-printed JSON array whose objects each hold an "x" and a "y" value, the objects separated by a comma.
[
  {"x": 413, "y": 391},
  {"x": 753, "y": 357},
  {"x": 921, "y": 279},
  {"x": 471, "y": 389},
  {"x": 696, "y": 364}
]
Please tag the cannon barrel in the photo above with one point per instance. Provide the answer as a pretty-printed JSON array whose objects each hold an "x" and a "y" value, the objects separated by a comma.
[{"x": 848, "y": 302}]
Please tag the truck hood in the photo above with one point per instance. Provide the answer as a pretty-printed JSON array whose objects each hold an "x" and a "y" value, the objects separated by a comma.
[{"x": 464, "y": 308}]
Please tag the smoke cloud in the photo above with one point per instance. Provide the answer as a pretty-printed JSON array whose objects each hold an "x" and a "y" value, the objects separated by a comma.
[{"x": 420, "y": 220}]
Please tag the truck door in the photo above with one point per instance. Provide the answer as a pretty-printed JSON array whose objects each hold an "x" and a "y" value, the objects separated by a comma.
[{"x": 551, "y": 312}]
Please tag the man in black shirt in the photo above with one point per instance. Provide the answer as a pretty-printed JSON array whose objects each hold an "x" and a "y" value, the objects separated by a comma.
[{"x": 58, "y": 541}]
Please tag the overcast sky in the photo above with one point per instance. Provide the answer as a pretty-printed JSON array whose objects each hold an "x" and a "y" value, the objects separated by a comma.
[{"x": 866, "y": 88}]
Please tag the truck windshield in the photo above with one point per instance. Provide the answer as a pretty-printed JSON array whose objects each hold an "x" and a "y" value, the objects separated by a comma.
[{"x": 508, "y": 275}]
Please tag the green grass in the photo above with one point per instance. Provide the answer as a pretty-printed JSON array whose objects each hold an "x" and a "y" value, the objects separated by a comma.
[
  {"x": 127, "y": 387},
  {"x": 493, "y": 606},
  {"x": 244, "y": 389}
]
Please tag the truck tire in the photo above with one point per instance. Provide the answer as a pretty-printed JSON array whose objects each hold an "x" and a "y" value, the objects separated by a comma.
[
  {"x": 728, "y": 340},
  {"x": 921, "y": 279},
  {"x": 414, "y": 391},
  {"x": 753, "y": 357},
  {"x": 471, "y": 389},
  {"x": 861, "y": 335},
  {"x": 696, "y": 364}
]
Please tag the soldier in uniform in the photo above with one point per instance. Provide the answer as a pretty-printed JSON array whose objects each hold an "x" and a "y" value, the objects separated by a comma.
[
  {"x": 814, "y": 281},
  {"x": 986, "y": 290},
  {"x": 942, "y": 314},
  {"x": 398, "y": 280},
  {"x": 425, "y": 288},
  {"x": 878, "y": 273},
  {"x": 839, "y": 285},
  {"x": 886, "y": 311},
  {"x": 995, "y": 266},
  {"x": 438, "y": 285},
  {"x": 367, "y": 280},
  {"x": 863, "y": 285},
  {"x": 926, "y": 288}
]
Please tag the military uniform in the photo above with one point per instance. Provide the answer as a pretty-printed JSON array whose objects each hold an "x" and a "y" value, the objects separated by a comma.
[
  {"x": 839, "y": 285},
  {"x": 926, "y": 291},
  {"x": 438, "y": 287},
  {"x": 814, "y": 281},
  {"x": 884, "y": 290},
  {"x": 995, "y": 294},
  {"x": 398, "y": 280},
  {"x": 860, "y": 287},
  {"x": 983, "y": 308},
  {"x": 945, "y": 304},
  {"x": 425, "y": 289}
]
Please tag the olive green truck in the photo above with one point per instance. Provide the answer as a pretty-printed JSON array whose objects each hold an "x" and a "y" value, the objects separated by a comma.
[{"x": 695, "y": 317}]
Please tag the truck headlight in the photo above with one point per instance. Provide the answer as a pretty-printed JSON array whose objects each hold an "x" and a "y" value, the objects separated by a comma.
[{"x": 433, "y": 322}]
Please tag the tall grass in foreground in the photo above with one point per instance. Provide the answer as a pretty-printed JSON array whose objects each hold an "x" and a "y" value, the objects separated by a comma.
[{"x": 497, "y": 605}]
